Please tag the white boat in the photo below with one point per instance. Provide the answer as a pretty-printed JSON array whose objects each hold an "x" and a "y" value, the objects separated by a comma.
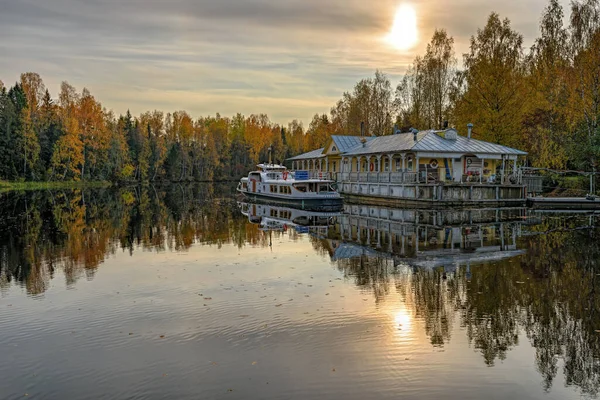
[{"x": 274, "y": 182}]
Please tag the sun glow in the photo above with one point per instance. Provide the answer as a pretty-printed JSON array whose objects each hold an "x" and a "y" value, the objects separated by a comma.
[
  {"x": 403, "y": 320},
  {"x": 404, "y": 35}
]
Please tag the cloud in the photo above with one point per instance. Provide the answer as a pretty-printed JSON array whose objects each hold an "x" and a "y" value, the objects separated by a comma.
[{"x": 289, "y": 58}]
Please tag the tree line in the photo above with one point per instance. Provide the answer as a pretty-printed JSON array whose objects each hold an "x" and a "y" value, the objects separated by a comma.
[{"x": 545, "y": 101}]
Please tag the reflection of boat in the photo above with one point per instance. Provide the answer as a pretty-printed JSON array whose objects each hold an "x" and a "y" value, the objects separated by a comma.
[
  {"x": 281, "y": 218},
  {"x": 275, "y": 182}
]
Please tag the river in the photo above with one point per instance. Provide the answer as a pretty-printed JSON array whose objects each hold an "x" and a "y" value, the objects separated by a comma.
[{"x": 186, "y": 292}]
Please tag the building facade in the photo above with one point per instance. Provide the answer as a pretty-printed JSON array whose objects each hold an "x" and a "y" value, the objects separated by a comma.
[{"x": 438, "y": 166}]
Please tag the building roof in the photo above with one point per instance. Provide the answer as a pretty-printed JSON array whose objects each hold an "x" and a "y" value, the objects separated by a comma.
[
  {"x": 310, "y": 155},
  {"x": 427, "y": 141},
  {"x": 387, "y": 144},
  {"x": 345, "y": 143},
  {"x": 430, "y": 141},
  {"x": 433, "y": 142}
]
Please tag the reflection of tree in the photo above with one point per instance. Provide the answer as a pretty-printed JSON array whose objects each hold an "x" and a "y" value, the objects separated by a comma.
[
  {"x": 550, "y": 295},
  {"x": 432, "y": 297},
  {"x": 76, "y": 230},
  {"x": 369, "y": 273}
]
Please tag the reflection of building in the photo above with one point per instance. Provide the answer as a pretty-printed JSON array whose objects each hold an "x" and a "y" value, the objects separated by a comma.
[
  {"x": 426, "y": 237},
  {"x": 429, "y": 166},
  {"x": 272, "y": 217}
]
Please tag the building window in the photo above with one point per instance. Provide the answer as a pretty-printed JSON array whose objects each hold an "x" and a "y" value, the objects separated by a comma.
[
  {"x": 333, "y": 148},
  {"x": 334, "y": 165},
  {"x": 410, "y": 163},
  {"x": 398, "y": 164}
]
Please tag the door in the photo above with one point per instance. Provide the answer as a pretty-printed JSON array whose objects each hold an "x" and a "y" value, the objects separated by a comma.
[{"x": 253, "y": 186}]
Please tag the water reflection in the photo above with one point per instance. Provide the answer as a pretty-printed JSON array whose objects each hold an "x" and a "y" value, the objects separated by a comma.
[
  {"x": 76, "y": 230},
  {"x": 540, "y": 277},
  {"x": 492, "y": 276}
]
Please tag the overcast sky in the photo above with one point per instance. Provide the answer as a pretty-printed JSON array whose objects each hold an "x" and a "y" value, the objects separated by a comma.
[{"x": 287, "y": 58}]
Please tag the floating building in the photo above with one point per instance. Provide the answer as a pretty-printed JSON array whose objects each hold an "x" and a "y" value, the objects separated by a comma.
[{"x": 428, "y": 167}]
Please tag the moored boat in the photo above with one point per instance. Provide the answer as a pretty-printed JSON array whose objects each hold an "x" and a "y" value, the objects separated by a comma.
[{"x": 275, "y": 183}]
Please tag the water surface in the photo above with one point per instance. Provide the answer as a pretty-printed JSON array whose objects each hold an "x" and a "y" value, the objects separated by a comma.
[{"x": 185, "y": 292}]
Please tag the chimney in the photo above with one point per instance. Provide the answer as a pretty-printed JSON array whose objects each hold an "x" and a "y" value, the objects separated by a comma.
[
  {"x": 414, "y": 131},
  {"x": 470, "y": 127},
  {"x": 446, "y": 124}
]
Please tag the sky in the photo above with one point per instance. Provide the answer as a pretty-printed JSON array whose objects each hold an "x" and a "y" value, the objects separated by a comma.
[{"x": 289, "y": 59}]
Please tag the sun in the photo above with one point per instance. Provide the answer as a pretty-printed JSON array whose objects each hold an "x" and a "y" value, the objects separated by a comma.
[{"x": 403, "y": 35}]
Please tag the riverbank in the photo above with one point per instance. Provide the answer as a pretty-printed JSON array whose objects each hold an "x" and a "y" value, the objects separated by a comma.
[{"x": 6, "y": 186}]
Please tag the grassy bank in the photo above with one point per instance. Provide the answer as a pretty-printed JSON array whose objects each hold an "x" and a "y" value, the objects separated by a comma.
[{"x": 8, "y": 186}]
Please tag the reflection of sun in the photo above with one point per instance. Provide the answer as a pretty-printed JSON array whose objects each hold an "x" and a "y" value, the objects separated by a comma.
[
  {"x": 403, "y": 320},
  {"x": 404, "y": 31}
]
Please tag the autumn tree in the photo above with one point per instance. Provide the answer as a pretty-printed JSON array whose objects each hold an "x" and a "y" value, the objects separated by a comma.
[
  {"x": 545, "y": 125},
  {"x": 67, "y": 157},
  {"x": 585, "y": 82},
  {"x": 495, "y": 88}
]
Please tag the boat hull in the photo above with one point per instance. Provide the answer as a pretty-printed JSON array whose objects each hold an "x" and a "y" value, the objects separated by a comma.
[{"x": 316, "y": 204}]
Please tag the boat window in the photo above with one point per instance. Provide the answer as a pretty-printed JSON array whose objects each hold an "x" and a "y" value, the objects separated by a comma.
[
  {"x": 273, "y": 188},
  {"x": 301, "y": 189},
  {"x": 323, "y": 188},
  {"x": 273, "y": 212}
]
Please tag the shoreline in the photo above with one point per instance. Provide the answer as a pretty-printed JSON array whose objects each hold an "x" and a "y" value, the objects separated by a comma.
[{"x": 6, "y": 186}]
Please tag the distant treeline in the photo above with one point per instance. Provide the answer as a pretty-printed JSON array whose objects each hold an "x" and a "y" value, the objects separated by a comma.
[{"x": 545, "y": 101}]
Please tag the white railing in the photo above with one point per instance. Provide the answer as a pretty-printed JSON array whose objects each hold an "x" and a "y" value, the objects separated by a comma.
[{"x": 425, "y": 175}]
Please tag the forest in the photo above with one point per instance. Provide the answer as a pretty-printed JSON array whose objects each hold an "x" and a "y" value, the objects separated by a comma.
[{"x": 544, "y": 100}]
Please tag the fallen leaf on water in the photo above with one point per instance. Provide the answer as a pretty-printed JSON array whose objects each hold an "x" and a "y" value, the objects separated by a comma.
[
  {"x": 278, "y": 305},
  {"x": 162, "y": 336},
  {"x": 326, "y": 294},
  {"x": 520, "y": 282},
  {"x": 130, "y": 333},
  {"x": 208, "y": 298},
  {"x": 333, "y": 370},
  {"x": 230, "y": 390},
  {"x": 254, "y": 363},
  {"x": 213, "y": 363}
]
